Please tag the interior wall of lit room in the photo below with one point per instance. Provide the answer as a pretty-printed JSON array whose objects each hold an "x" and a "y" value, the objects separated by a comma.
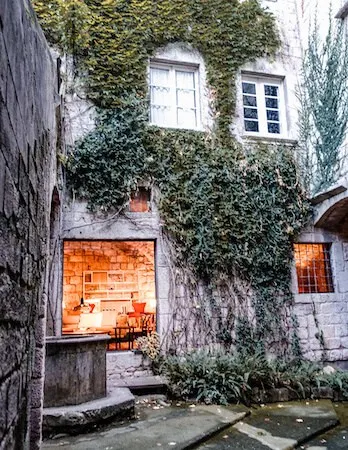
[{"x": 106, "y": 282}]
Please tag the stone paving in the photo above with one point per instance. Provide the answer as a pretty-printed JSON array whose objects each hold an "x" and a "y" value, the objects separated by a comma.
[
  {"x": 161, "y": 424},
  {"x": 169, "y": 427},
  {"x": 280, "y": 426}
]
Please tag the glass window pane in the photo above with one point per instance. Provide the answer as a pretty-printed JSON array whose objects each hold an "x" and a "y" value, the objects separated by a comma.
[
  {"x": 160, "y": 96},
  {"x": 186, "y": 118},
  {"x": 249, "y": 100},
  {"x": 185, "y": 98},
  {"x": 271, "y": 102},
  {"x": 185, "y": 80},
  {"x": 272, "y": 115},
  {"x": 249, "y": 88},
  {"x": 271, "y": 90},
  {"x": 251, "y": 125},
  {"x": 250, "y": 113},
  {"x": 159, "y": 77},
  {"x": 313, "y": 268},
  {"x": 273, "y": 127},
  {"x": 160, "y": 115}
]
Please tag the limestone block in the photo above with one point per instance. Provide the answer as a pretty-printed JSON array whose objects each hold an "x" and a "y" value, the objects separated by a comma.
[
  {"x": 304, "y": 309},
  {"x": 39, "y": 366},
  {"x": 314, "y": 344},
  {"x": 344, "y": 342},
  {"x": 342, "y": 281},
  {"x": 332, "y": 343},
  {"x": 302, "y": 333},
  {"x": 36, "y": 392},
  {"x": 330, "y": 331},
  {"x": 334, "y": 355}
]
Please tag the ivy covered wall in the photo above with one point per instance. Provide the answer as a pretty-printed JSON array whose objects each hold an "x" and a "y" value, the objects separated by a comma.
[{"x": 229, "y": 212}]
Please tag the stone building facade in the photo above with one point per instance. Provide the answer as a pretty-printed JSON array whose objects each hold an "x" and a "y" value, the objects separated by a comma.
[
  {"x": 318, "y": 313},
  {"x": 35, "y": 239},
  {"x": 29, "y": 130}
]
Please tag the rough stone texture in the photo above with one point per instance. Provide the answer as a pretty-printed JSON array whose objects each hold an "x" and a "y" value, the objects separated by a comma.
[
  {"x": 123, "y": 365},
  {"x": 330, "y": 310},
  {"x": 27, "y": 173},
  {"x": 326, "y": 313},
  {"x": 75, "y": 370},
  {"x": 180, "y": 428},
  {"x": 118, "y": 404}
]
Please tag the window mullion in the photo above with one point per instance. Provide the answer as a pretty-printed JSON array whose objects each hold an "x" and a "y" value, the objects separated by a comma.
[
  {"x": 173, "y": 102},
  {"x": 261, "y": 102}
]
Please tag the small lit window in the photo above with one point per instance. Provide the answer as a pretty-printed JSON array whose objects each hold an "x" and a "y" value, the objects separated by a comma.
[
  {"x": 313, "y": 268},
  {"x": 174, "y": 96},
  {"x": 263, "y": 106},
  {"x": 140, "y": 200}
]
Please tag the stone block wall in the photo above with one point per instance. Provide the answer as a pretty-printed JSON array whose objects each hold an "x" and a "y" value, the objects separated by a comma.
[
  {"x": 325, "y": 313},
  {"x": 123, "y": 365},
  {"x": 134, "y": 259},
  {"x": 27, "y": 160}
]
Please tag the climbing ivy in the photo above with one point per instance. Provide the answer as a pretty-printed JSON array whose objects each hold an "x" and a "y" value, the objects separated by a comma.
[
  {"x": 229, "y": 212},
  {"x": 226, "y": 216},
  {"x": 112, "y": 41}
]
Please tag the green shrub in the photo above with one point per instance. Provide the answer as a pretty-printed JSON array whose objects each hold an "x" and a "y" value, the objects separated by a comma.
[{"x": 219, "y": 377}]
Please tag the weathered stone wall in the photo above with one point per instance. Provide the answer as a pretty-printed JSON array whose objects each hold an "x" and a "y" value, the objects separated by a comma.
[
  {"x": 27, "y": 158},
  {"x": 123, "y": 365},
  {"x": 326, "y": 313}
]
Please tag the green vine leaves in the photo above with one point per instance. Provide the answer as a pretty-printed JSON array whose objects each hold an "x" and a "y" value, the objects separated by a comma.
[
  {"x": 112, "y": 41},
  {"x": 227, "y": 210}
]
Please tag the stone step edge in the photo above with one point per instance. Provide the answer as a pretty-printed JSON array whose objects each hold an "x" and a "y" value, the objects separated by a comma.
[
  {"x": 85, "y": 417},
  {"x": 317, "y": 433},
  {"x": 218, "y": 429}
]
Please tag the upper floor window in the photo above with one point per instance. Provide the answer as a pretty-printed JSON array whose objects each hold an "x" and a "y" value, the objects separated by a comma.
[
  {"x": 174, "y": 96},
  {"x": 263, "y": 106},
  {"x": 140, "y": 200},
  {"x": 313, "y": 268}
]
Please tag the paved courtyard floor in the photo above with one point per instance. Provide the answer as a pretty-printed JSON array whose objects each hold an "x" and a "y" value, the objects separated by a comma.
[{"x": 311, "y": 425}]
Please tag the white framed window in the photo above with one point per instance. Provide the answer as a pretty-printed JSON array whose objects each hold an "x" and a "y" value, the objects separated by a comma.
[
  {"x": 174, "y": 96},
  {"x": 263, "y": 106}
]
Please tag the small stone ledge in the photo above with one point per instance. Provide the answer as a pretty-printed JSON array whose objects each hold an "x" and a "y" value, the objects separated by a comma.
[
  {"x": 144, "y": 385},
  {"x": 118, "y": 404},
  {"x": 278, "y": 395}
]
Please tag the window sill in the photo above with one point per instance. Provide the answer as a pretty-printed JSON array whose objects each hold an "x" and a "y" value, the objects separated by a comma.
[
  {"x": 310, "y": 294},
  {"x": 168, "y": 127},
  {"x": 270, "y": 139}
]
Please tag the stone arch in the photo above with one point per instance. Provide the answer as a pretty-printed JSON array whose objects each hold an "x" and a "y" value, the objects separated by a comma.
[{"x": 331, "y": 211}]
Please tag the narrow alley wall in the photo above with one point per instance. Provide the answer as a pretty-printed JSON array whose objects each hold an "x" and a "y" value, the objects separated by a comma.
[{"x": 27, "y": 175}]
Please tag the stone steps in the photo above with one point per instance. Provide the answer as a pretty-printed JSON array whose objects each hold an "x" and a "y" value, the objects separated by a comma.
[{"x": 73, "y": 419}]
